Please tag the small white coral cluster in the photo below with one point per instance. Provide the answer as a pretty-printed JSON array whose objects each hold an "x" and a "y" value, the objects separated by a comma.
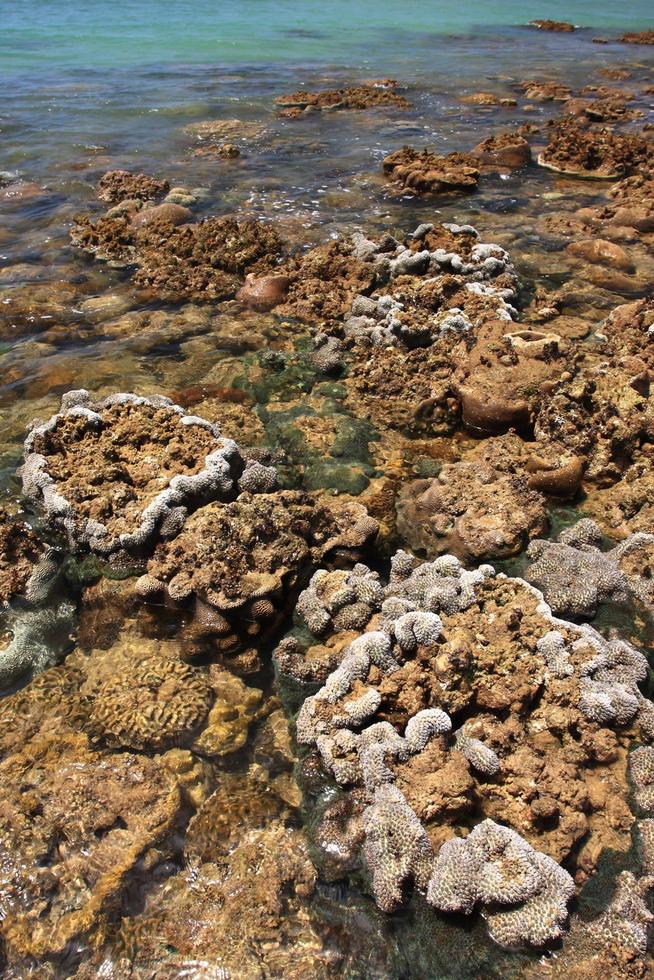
[
  {"x": 376, "y": 320},
  {"x": 224, "y": 473},
  {"x": 608, "y": 681},
  {"x": 340, "y": 600}
]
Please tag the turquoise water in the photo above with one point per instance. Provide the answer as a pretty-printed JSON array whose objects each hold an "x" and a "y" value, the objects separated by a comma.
[{"x": 86, "y": 34}]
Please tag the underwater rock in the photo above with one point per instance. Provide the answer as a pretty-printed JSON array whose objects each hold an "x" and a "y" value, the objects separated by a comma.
[
  {"x": 117, "y": 473},
  {"x": 263, "y": 292},
  {"x": 537, "y": 90},
  {"x": 62, "y": 887},
  {"x": 425, "y": 172},
  {"x": 576, "y": 576},
  {"x": 246, "y": 912},
  {"x": 472, "y": 511}
]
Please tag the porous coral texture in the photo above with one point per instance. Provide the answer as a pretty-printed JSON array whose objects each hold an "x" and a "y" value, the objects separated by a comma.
[
  {"x": 548, "y": 708},
  {"x": 117, "y": 473}
]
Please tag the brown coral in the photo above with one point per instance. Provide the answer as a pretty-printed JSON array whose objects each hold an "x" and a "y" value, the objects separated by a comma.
[
  {"x": 160, "y": 703},
  {"x": 425, "y": 172}
]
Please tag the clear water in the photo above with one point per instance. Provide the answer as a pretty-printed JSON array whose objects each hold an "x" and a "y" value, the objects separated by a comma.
[
  {"x": 139, "y": 32},
  {"x": 91, "y": 86}
]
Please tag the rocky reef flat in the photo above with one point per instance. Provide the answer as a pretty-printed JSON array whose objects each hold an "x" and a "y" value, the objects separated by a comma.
[{"x": 327, "y": 533}]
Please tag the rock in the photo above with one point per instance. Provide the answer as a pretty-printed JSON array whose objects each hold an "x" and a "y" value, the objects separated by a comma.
[
  {"x": 264, "y": 292},
  {"x": 472, "y": 511},
  {"x": 104, "y": 307},
  {"x": 168, "y": 212},
  {"x": 509, "y": 150},
  {"x": 117, "y": 186},
  {"x": 359, "y": 97},
  {"x": 601, "y": 252},
  {"x": 558, "y": 26},
  {"x": 425, "y": 172}
]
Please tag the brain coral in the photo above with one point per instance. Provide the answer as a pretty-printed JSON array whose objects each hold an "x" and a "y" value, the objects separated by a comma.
[{"x": 160, "y": 703}]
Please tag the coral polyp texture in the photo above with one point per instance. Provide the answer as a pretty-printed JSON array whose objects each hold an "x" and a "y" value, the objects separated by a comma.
[
  {"x": 464, "y": 706},
  {"x": 118, "y": 473},
  {"x": 239, "y": 562},
  {"x": 159, "y": 703},
  {"x": 576, "y": 576}
]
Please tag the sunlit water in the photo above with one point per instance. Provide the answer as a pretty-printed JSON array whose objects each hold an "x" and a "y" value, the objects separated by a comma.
[{"x": 90, "y": 87}]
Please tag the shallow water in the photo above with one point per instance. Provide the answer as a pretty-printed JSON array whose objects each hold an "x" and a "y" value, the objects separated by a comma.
[{"x": 92, "y": 87}]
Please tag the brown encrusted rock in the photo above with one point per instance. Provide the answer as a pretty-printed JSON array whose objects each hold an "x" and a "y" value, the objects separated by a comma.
[
  {"x": 509, "y": 150},
  {"x": 598, "y": 153},
  {"x": 543, "y": 91},
  {"x": 121, "y": 185},
  {"x": 325, "y": 281},
  {"x": 472, "y": 511},
  {"x": 504, "y": 378},
  {"x": 117, "y": 473},
  {"x": 367, "y": 96},
  {"x": 637, "y": 37},
  {"x": 558, "y": 26},
  {"x": 264, "y": 292},
  {"x": 240, "y": 562},
  {"x": 203, "y": 261},
  {"x": 425, "y": 172}
]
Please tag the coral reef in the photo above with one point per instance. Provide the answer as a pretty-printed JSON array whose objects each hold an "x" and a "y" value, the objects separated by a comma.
[
  {"x": 600, "y": 153},
  {"x": 117, "y": 186},
  {"x": 576, "y": 576},
  {"x": 472, "y": 511},
  {"x": 72, "y": 815},
  {"x": 117, "y": 473},
  {"x": 424, "y": 172},
  {"x": 442, "y": 645},
  {"x": 367, "y": 96},
  {"x": 239, "y": 562},
  {"x": 176, "y": 259},
  {"x": 494, "y": 866}
]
